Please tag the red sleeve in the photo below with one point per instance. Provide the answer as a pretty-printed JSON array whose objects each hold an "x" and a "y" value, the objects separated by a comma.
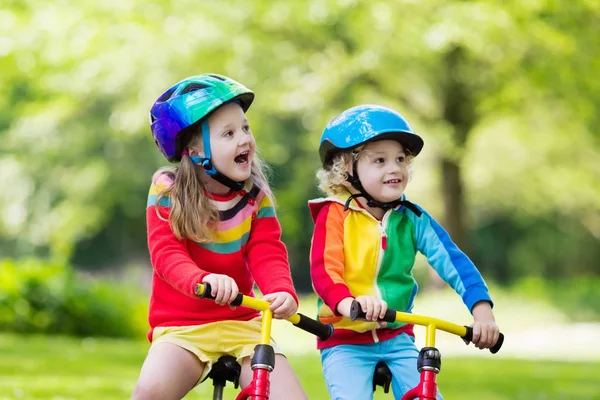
[
  {"x": 267, "y": 255},
  {"x": 169, "y": 255},
  {"x": 327, "y": 256}
]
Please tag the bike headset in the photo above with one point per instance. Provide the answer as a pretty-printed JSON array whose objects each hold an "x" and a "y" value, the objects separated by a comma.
[
  {"x": 177, "y": 113},
  {"x": 359, "y": 125}
]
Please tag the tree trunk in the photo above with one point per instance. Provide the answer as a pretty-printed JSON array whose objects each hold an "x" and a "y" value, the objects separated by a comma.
[
  {"x": 459, "y": 112},
  {"x": 454, "y": 202}
]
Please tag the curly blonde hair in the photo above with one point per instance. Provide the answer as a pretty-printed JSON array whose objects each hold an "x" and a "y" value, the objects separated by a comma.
[
  {"x": 193, "y": 215},
  {"x": 334, "y": 175}
]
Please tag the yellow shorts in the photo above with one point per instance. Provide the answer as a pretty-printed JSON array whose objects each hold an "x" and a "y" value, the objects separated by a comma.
[{"x": 211, "y": 341}]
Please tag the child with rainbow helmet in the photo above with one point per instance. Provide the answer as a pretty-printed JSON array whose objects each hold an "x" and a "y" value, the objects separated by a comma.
[
  {"x": 186, "y": 103},
  {"x": 210, "y": 219},
  {"x": 365, "y": 239}
]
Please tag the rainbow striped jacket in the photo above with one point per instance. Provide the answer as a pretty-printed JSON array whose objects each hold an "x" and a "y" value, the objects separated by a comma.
[{"x": 353, "y": 254}]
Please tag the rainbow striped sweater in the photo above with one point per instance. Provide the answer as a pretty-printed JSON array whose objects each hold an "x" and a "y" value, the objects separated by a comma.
[
  {"x": 247, "y": 247},
  {"x": 355, "y": 254}
]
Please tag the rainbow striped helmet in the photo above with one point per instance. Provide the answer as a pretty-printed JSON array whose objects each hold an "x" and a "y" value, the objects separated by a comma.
[{"x": 189, "y": 101}]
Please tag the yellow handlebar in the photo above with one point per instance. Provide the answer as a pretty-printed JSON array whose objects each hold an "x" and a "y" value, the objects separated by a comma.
[
  {"x": 431, "y": 325},
  {"x": 323, "y": 331}
]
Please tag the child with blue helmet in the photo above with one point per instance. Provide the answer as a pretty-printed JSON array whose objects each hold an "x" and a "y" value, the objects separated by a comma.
[
  {"x": 366, "y": 235},
  {"x": 211, "y": 219}
]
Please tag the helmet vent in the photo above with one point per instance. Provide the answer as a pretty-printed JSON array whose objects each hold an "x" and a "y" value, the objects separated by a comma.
[
  {"x": 192, "y": 87},
  {"x": 218, "y": 77},
  {"x": 166, "y": 95}
]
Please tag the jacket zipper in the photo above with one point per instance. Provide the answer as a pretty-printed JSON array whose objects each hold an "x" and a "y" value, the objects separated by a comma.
[
  {"x": 383, "y": 236},
  {"x": 382, "y": 225}
]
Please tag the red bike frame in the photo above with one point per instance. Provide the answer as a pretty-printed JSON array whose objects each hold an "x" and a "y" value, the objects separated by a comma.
[{"x": 426, "y": 390}]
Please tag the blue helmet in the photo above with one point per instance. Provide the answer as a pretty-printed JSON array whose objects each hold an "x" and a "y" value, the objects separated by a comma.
[{"x": 360, "y": 124}]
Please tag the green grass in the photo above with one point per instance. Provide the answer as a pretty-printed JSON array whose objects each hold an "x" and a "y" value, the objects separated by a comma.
[{"x": 62, "y": 368}]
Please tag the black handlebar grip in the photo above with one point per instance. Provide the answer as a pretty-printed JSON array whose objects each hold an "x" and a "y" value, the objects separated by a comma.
[
  {"x": 206, "y": 294},
  {"x": 322, "y": 331},
  {"x": 494, "y": 349},
  {"x": 356, "y": 312}
]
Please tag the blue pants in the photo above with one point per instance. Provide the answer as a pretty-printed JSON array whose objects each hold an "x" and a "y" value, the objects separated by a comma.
[{"x": 348, "y": 369}]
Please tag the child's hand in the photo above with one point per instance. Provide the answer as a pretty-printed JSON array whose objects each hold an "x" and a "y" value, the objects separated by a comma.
[
  {"x": 283, "y": 304},
  {"x": 223, "y": 288},
  {"x": 373, "y": 307},
  {"x": 485, "y": 330}
]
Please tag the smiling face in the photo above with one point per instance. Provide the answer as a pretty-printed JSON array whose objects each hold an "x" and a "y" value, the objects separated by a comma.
[
  {"x": 383, "y": 170},
  {"x": 232, "y": 145}
]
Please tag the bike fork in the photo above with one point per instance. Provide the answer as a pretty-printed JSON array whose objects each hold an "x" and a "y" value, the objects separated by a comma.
[
  {"x": 429, "y": 364},
  {"x": 263, "y": 362}
]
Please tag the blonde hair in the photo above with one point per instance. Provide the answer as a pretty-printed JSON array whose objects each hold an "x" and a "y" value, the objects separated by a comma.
[
  {"x": 193, "y": 215},
  {"x": 333, "y": 177}
]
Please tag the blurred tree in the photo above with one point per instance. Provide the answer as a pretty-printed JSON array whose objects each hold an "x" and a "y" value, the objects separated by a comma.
[{"x": 503, "y": 94}]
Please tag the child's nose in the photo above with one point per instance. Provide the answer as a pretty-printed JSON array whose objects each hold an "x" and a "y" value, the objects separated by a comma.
[
  {"x": 395, "y": 169},
  {"x": 244, "y": 139}
]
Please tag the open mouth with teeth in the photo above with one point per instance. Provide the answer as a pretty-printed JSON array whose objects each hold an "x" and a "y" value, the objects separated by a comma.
[
  {"x": 242, "y": 158},
  {"x": 392, "y": 181}
]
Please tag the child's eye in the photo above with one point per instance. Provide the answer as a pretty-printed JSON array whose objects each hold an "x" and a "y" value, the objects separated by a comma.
[
  {"x": 228, "y": 133},
  {"x": 246, "y": 128},
  {"x": 379, "y": 160},
  {"x": 401, "y": 159}
]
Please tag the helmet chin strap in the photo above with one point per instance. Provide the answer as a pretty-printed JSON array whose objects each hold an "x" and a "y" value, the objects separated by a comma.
[
  {"x": 206, "y": 163},
  {"x": 371, "y": 202}
]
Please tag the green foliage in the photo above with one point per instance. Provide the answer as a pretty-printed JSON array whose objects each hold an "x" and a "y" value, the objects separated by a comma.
[
  {"x": 508, "y": 247},
  {"x": 577, "y": 297},
  {"x": 42, "y": 298}
]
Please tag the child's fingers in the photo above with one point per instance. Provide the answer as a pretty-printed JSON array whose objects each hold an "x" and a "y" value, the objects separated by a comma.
[
  {"x": 384, "y": 307},
  {"x": 280, "y": 306},
  {"x": 287, "y": 309},
  {"x": 292, "y": 307},
  {"x": 234, "y": 292},
  {"x": 376, "y": 311},
  {"x": 276, "y": 302},
  {"x": 476, "y": 333},
  {"x": 216, "y": 290},
  {"x": 271, "y": 298},
  {"x": 489, "y": 336},
  {"x": 483, "y": 338},
  {"x": 225, "y": 291},
  {"x": 268, "y": 297},
  {"x": 367, "y": 307}
]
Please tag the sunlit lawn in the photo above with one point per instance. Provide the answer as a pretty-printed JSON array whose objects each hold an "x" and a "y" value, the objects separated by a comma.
[{"x": 37, "y": 367}]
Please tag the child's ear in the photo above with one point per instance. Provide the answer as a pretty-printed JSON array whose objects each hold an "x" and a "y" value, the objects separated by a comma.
[
  {"x": 195, "y": 152},
  {"x": 349, "y": 163}
]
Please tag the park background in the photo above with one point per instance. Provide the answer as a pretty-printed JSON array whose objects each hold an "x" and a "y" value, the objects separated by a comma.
[{"x": 505, "y": 95}]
